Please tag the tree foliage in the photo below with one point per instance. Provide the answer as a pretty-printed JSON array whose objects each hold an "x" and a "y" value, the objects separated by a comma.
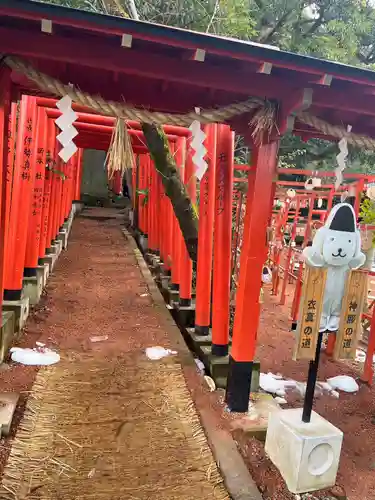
[{"x": 340, "y": 30}]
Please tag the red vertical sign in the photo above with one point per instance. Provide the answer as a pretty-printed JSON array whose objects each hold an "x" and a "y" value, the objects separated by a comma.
[
  {"x": 23, "y": 181},
  {"x": 45, "y": 220},
  {"x": 222, "y": 240},
  {"x": 205, "y": 236},
  {"x": 5, "y": 91},
  {"x": 35, "y": 224}
]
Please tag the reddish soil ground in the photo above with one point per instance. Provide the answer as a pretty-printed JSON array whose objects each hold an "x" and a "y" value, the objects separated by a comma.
[
  {"x": 97, "y": 289},
  {"x": 354, "y": 414}
]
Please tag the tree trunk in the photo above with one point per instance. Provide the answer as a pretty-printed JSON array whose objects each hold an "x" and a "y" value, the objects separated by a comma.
[{"x": 174, "y": 187}]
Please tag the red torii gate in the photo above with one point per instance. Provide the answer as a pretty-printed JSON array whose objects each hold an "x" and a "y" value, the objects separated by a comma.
[{"x": 166, "y": 61}]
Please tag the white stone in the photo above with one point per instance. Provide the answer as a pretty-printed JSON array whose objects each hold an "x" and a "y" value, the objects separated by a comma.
[
  {"x": 8, "y": 404},
  {"x": 306, "y": 454}
]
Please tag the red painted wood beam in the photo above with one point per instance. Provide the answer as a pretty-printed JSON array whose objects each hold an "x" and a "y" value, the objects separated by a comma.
[
  {"x": 100, "y": 146},
  {"x": 94, "y": 119},
  {"x": 336, "y": 100},
  {"x": 122, "y": 26},
  {"x": 105, "y": 139},
  {"x": 321, "y": 173},
  {"x": 108, "y": 57},
  {"x": 102, "y": 130}
]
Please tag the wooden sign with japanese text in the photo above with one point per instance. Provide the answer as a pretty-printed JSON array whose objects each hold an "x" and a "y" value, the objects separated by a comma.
[
  {"x": 310, "y": 312},
  {"x": 351, "y": 312}
]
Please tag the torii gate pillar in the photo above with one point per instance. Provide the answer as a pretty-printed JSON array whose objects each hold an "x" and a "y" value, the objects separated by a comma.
[{"x": 253, "y": 255}]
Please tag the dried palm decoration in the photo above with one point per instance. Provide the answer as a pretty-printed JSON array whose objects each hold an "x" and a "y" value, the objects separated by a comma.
[
  {"x": 120, "y": 156},
  {"x": 263, "y": 121}
]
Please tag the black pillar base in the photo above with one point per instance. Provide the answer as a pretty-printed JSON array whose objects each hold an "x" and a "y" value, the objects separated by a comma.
[
  {"x": 12, "y": 294},
  {"x": 29, "y": 272},
  {"x": 238, "y": 385},
  {"x": 202, "y": 330},
  {"x": 219, "y": 350}
]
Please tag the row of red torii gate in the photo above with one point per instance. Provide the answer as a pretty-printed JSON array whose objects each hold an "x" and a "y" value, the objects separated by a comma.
[{"x": 39, "y": 190}]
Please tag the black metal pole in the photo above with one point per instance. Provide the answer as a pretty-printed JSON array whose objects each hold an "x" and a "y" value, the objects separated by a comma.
[{"x": 311, "y": 382}]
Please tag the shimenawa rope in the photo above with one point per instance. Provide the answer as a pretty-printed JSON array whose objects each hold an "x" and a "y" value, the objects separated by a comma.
[{"x": 110, "y": 108}]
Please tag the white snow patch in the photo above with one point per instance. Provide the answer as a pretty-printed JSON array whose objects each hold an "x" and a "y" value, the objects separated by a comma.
[
  {"x": 343, "y": 383},
  {"x": 158, "y": 352}
]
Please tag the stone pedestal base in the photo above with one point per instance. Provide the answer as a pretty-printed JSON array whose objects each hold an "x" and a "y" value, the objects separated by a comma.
[
  {"x": 307, "y": 455},
  {"x": 63, "y": 237},
  {"x": 8, "y": 405},
  {"x": 143, "y": 242},
  {"x": 50, "y": 260},
  {"x": 33, "y": 288},
  {"x": 186, "y": 315},
  {"x": 20, "y": 308},
  {"x": 173, "y": 297},
  {"x": 57, "y": 246},
  {"x": 42, "y": 272},
  {"x": 164, "y": 281},
  {"x": 200, "y": 340},
  {"x": 6, "y": 333},
  {"x": 77, "y": 207}
]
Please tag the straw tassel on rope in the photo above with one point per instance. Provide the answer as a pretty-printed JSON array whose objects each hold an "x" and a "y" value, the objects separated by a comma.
[{"x": 120, "y": 156}]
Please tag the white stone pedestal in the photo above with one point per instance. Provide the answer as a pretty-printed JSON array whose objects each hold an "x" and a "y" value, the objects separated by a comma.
[
  {"x": 21, "y": 309},
  {"x": 33, "y": 288},
  {"x": 63, "y": 237},
  {"x": 43, "y": 272},
  {"x": 307, "y": 455}
]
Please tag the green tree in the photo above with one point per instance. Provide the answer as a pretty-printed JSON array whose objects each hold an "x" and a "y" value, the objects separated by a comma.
[{"x": 340, "y": 30}]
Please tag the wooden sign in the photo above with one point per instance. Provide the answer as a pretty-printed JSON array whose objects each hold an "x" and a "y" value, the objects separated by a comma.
[
  {"x": 366, "y": 240},
  {"x": 310, "y": 312},
  {"x": 350, "y": 321}
]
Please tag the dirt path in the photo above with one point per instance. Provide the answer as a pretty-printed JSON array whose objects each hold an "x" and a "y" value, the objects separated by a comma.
[{"x": 97, "y": 290}]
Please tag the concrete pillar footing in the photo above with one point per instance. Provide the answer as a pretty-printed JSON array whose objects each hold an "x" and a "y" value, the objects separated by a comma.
[
  {"x": 21, "y": 310},
  {"x": 7, "y": 330},
  {"x": 33, "y": 288}
]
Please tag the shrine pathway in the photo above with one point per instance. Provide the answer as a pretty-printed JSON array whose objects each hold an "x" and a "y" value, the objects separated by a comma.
[{"x": 105, "y": 422}]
